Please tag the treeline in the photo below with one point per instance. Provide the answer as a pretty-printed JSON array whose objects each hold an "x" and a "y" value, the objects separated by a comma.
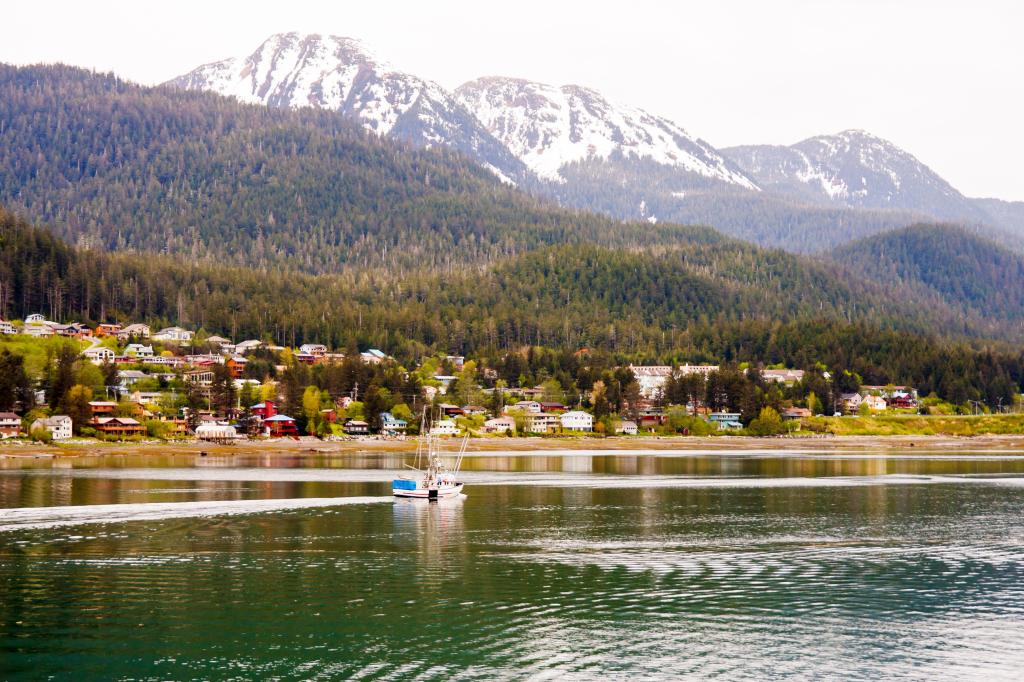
[{"x": 721, "y": 302}]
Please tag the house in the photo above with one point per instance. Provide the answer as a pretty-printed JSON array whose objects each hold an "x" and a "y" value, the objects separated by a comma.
[
  {"x": 795, "y": 413},
  {"x": 543, "y": 422},
  {"x": 137, "y": 350},
  {"x": 216, "y": 433},
  {"x": 75, "y": 329},
  {"x": 37, "y": 330},
  {"x": 902, "y": 402},
  {"x": 552, "y": 407},
  {"x": 373, "y": 356},
  {"x": 117, "y": 426},
  {"x": 305, "y": 358},
  {"x": 651, "y": 417},
  {"x": 7, "y": 328},
  {"x": 200, "y": 377},
  {"x": 470, "y": 410},
  {"x": 133, "y": 331},
  {"x": 577, "y": 420},
  {"x": 444, "y": 427},
  {"x": 107, "y": 330},
  {"x": 875, "y": 403},
  {"x": 218, "y": 341},
  {"x": 279, "y": 426},
  {"x": 391, "y": 424},
  {"x": 504, "y": 424},
  {"x": 528, "y": 406},
  {"x": 329, "y": 415},
  {"x": 130, "y": 377},
  {"x": 10, "y": 425},
  {"x": 626, "y": 427},
  {"x": 783, "y": 376},
  {"x": 247, "y": 346},
  {"x": 890, "y": 391},
  {"x": 100, "y": 408},
  {"x": 850, "y": 402},
  {"x": 98, "y": 355},
  {"x": 446, "y": 381},
  {"x": 35, "y": 318},
  {"x": 173, "y": 335},
  {"x": 264, "y": 410},
  {"x": 59, "y": 426},
  {"x": 355, "y": 427},
  {"x": 686, "y": 370},
  {"x": 237, "y": 364},
  {"x": 726, "y": 420},
  {"x": 457, "y": 361},
  {"x": 314, "y": 349},
  {"x": 651, "y": 378}
]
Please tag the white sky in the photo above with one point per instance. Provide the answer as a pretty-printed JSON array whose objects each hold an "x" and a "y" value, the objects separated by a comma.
[{"x": 942, "y": 79}]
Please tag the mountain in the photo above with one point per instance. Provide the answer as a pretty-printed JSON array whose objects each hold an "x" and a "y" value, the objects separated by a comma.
[
  {"x": 291, "y": 70},
  {"x": 118, "y": 166},
  {"x": 1009, "y": 215},
  {"x": 945, "y": 265},
  {"x": 857, "y": 170},
  {"x": 548, "y": 127}
]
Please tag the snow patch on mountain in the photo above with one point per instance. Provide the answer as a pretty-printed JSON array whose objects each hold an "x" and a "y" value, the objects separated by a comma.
[{"x": 548, "y": 127}]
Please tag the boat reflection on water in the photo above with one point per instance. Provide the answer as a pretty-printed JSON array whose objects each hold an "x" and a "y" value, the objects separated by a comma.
[{"x": 434, "y": 528}]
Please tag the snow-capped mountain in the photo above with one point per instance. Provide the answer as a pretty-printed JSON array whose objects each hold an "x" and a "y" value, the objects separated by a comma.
[
  {"x": 856, "y": 169},
  {"x": 332, "y": 72},
  {"x": 548, "y": 127}
]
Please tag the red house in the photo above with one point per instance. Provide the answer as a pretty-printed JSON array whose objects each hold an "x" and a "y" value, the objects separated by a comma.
[
  {"x": 264, "y": 410},
  {"x": 280, "y": 425}
]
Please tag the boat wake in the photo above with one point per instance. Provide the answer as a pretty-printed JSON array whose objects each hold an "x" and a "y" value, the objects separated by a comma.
[{"x": 53, "y": 517}]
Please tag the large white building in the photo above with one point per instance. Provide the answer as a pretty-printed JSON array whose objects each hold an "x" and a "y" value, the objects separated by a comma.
[
  {"x": 577, "y": 420},
  {"x": 652, "y": 378},
  {"x": 444, "y": 427},
  {"x": 173, "y": 335},
  {"x": 58, "y": 425}
]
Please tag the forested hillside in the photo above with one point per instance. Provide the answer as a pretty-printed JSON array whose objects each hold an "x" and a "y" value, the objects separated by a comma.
[
  {"x": 109, "y": 164},
  {"x": 948, "y": 264},
  {"x": 724, "y": 302}
]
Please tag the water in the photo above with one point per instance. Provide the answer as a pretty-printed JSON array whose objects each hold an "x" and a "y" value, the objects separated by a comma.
[{"x": 749, "y": 566}]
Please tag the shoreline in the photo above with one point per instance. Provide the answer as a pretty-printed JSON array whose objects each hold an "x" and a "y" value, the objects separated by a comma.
[{"x": 643, "y": 445}]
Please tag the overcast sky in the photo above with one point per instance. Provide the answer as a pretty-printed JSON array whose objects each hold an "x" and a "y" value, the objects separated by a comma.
[{"x": 942, "y": 79}]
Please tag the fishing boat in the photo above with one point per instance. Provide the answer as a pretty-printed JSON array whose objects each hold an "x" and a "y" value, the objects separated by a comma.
[{"x": 436, "y": 480}]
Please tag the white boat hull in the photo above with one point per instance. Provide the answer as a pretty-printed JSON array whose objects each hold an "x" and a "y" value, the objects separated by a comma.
[{"x": 435, "y": 493}]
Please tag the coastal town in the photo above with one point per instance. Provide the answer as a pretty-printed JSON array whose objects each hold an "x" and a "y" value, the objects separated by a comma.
[{"x": 118, "y": 382}]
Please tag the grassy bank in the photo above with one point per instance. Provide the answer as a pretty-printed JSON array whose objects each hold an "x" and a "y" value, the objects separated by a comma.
[{"x": 915, "y": 425}]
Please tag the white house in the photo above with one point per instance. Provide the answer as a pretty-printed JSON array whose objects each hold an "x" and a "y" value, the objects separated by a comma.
[
  {"x": 7, "y": 328},
  {"x": 652, "y": 378},
  {"x": 444, "y": 427},
  {"x": 528, "y": 406},
  {"x": 875, "y": 403},
  {"x": 35, "y": 318},
  {"x": 58, "y": 425},
  {"x": 577, "y": 420},
  {"x": 37, "y": 330},
  {"x": 244, "y": 347},
  {"x": 212, "y": 431},
  {"x": 373, "y": 356},
  {"x": 140, "y": 331},
  {"x": 500, "y": 425},
  {"x": 137, "y": 350},
  {"x": 99, "y": 355},
  {"x": 783, "y": 376},
  {"x": 627, "y": 427},
  {"x": 316, "y": 349},
  {"x": 173, "y": 335}
]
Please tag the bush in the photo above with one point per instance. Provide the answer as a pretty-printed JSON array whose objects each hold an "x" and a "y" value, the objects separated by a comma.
[
  {"x": 41, "y": 435},
  {"x": 768, "y": 423}
]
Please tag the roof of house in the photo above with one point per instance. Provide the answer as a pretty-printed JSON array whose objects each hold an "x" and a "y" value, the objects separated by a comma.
[
  {"x": 651, "y": 370},
  {"x": 8, "y": 415},
  {"x": 279, "y": 418}
]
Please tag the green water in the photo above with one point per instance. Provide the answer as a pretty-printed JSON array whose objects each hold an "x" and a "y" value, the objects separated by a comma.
[{"x": 581, "y": 567}]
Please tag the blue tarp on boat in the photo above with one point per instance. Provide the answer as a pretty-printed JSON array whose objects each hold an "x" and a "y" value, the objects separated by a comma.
[{"x": 403, "y": 484}]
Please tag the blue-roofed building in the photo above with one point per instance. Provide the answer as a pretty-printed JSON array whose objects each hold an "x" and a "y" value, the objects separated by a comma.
[
  {"x": 391, "y": 424},
  {"x": 726, "y": 420}
]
